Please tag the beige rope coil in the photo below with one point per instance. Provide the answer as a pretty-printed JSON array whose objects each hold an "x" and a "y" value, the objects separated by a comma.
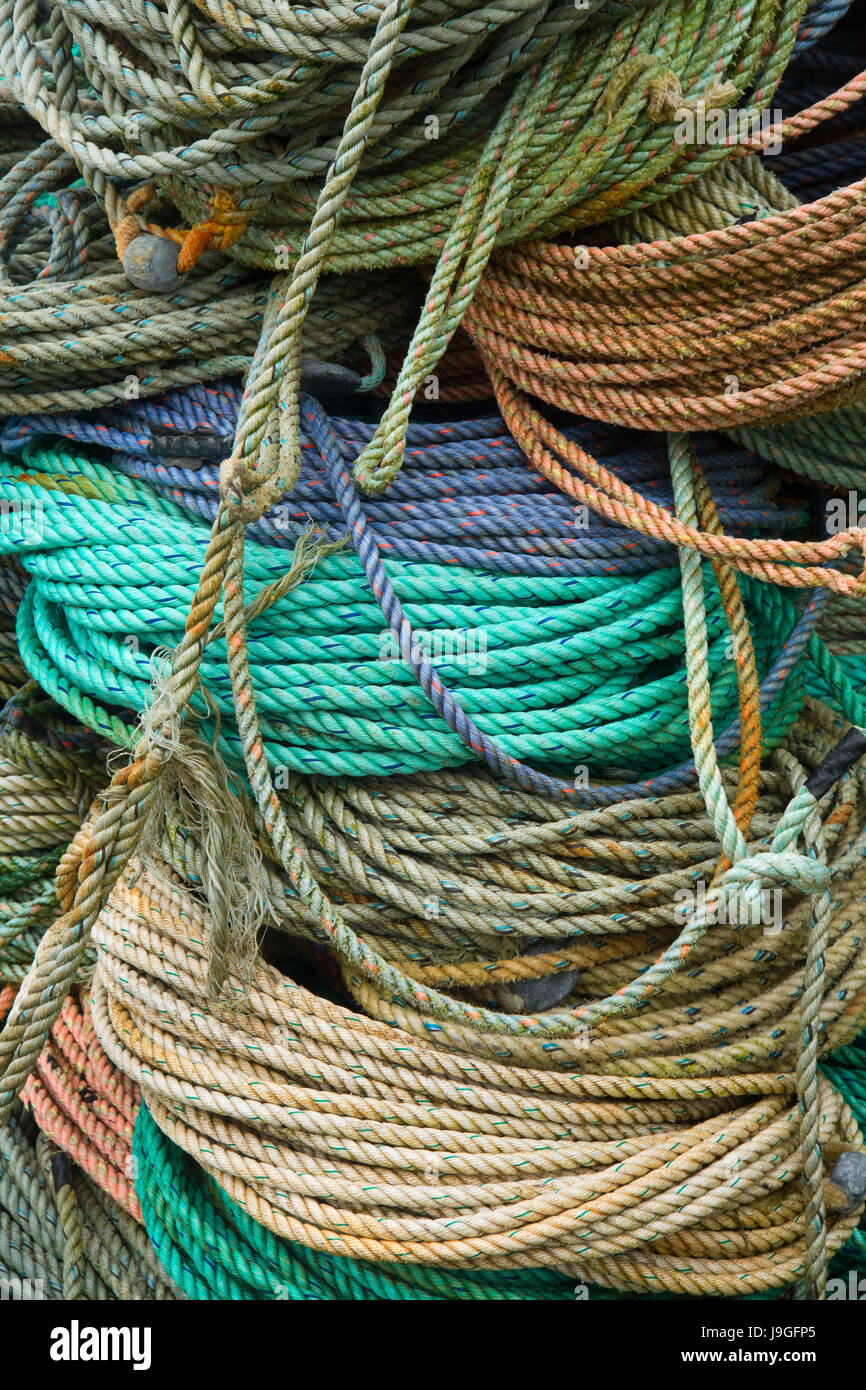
[{"x": 660, "y": 1152}]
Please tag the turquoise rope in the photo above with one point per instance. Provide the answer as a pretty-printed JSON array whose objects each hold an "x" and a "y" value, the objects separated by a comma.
[{"x": 578, "y": 670}]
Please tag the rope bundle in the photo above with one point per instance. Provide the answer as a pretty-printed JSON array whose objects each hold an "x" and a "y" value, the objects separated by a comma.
[
  {"x": 569, "y": 649},
  {"x": 61, "y": 1236},
  {"x": 86, "y": 1107},
  {"x": 602, "y": 92},
  {"x": 213, "y": 1249},
  {"x": 69, "y": 1243},
  {"x": 194, "y": 104},
  {"x": 462, "y": 476},
  {"x": 495, "y": 1147},
  {"x": 619, "y": 1096},
  {"x": 680, "y": 337},
  {"x": 471, "y": 887},
  {"x": 77, "y": 335},
  {"x": 50, "y": 771}
]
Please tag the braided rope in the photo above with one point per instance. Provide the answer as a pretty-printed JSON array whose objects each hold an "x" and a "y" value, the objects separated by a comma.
[
  {"x": 547, "y": 650},
  {"x": 84, "y": 1106},
  {"x": 153, "y": 949}
]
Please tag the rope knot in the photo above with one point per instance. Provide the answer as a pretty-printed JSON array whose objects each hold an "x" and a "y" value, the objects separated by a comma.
[
  {"x": 665, "y": 99},
  {"x": 237, "y": 482},
  {"x": 667, "y": 103}
]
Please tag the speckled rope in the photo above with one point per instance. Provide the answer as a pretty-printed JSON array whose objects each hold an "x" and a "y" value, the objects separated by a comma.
[
  {"x": 50, "y": 771},
  {"x": 85, "y": 1106},
  {"x": 544, "y": 652},
  {"x": 78, "y": 335},
  {"x": 153, "y": 941},
  {"x": 61, "y": 1236},
  {"x": 606, "y": 90}
]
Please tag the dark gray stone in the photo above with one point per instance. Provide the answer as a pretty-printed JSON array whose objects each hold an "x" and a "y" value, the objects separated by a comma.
[
  {"x": 150, "y": 263},
  {"x": 849, "y": 1173},
  {"x": 550, "y": 990}
]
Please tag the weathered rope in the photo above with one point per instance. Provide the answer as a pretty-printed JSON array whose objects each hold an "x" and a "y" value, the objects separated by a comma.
[
  {"x": 263, "y": 464},
  {"x": 68, "y": 1241},
  {"x": 605, "y": 88},
  {"x": 207, "y": 107},
  {"x": 818, "y": 21},
  {"x": 213, "y": 1249},
  {"x": 77, "y": 335},
  {"x": 85, "y": 1106},
  {"x": 265, "y": 1119},
  {"x": 547, "y": 651},
  {"x": 453, "y": 879},
  {"x": 463, "y": 478},
  {"x": 50, "y": 771},
  {"x": 61, "y": 1236}
]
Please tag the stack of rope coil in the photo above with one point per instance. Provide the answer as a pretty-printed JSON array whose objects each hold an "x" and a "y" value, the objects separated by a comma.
[
  {"x": 403, "y": 1031},
  {"x": 583, "y": 99},
  {"x": 563, "y": 637}
]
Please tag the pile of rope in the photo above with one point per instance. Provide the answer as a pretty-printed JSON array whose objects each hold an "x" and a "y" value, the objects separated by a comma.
[
  {"x": 77, "y": 335},
  {"x": 472, "y": 887},
  {"x": 562, "y": 635},
  {"x": 678, "y": 337},
  {"x": 213, "y": 1250},
  {"x": 653, "y": 1151},
  {"x": 560, "y": 1014},
  {"x": 792, "y": 1106},
  {"x": 61, "y": 1236},
  {"x": 200, "y": 109},
  {"x": 86, "y": 1107},
  {"x": 578, "y": 129},
  {"x": 50, "y": 771}
]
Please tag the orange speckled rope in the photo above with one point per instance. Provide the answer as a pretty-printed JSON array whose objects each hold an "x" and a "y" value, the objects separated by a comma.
[{"x": 85, "y": 1105}]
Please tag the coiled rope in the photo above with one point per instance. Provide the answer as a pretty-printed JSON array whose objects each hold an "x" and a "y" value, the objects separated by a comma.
[
  {"x": 207, "y": 107},
  {"x": 86, "y": 1107},
  {"x": 100, "y": 852},
  {"x": 50, "y": 771},
  {"x": 473, "y": 1110},
  {"x": 569, "y": 649},
  {"x": 61, "y": 1237},
  {"x": 818, "y": 21},
  {"x": 68, "y": 1241},
  {"x": 649, "y": 337},
  {"x": 606, "y": 90},
  {"x": 77, "y": 335},
  {"x": 467, "y": 885}
]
